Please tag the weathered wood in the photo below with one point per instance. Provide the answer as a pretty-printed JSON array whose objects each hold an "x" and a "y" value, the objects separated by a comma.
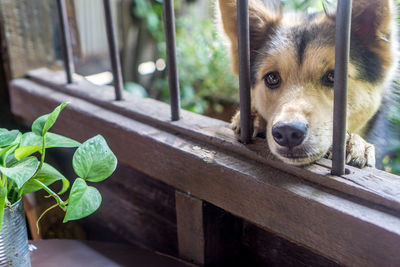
[
  {"x": 5, "y": 75},
  {"x": 137, "y": 210},
  {"x": 223, "y": 237},
  {"x": 219, "y": 134},
  {"x": 261, "y": 248},
  {"x": 339, "y": 226},
  {"x": 29, "y": 30},
  {"x": 189, "y": 216},
  {"x": 31, "y": 215}
]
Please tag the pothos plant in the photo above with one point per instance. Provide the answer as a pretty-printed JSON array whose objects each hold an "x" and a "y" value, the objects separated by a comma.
[{"x": 23, "y": 168}]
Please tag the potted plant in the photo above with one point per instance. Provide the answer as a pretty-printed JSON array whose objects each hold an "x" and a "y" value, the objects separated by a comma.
[{"x": 23, "y": 170}]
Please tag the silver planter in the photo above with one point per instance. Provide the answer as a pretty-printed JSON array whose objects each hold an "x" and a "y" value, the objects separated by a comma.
[{"x": 14, "y": 250}]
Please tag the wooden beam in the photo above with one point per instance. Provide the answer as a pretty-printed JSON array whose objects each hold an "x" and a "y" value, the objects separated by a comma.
[
  {"x": 359, "y": 183},
  {"x": 189, "y": 218},
  {"x": 29, "y": 31},
  {"x": 347, "y": 229},
  {"x": 207, "y": 235}
]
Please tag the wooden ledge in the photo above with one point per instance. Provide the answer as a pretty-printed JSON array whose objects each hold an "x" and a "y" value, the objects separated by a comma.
[
  {"x": 369, "y": 184},
  {"x": 348, "y": 219}
]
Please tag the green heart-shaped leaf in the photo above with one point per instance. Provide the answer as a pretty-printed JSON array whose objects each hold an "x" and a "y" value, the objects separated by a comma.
[
  {"x": 47, "y": 175},
  {"x": 21, "y": 171},
  {"x": 31, "y": 143},
  {"x": 93, "y": 160},
  {"x": 42, "y": 124},
  {"x": 23, "y": 152},
  {"x": 7, "y": 138},
  {"x": 52, "y": 140},
  {"x": 83, "y": 201},
  {"x": 56, "y": 140},
  {"x": 6, "y": 151}
]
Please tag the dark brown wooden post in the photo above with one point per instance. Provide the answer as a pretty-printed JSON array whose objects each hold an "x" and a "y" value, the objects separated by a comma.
[
  {"x": 189, "y": 218},
  {"x": 207, "y": 235}
]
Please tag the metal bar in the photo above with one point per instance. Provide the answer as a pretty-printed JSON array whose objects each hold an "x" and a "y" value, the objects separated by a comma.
[
  {"x": 244, "y": 70},
  {"x": 342, "y": 52},
  {"x": 113, "y": 48},
  {"x": 173, "y": 79},
  {"x": 65, "y": 40}
]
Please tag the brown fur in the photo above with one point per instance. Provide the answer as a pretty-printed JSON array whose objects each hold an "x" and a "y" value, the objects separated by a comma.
[{"x": 301, "y": 96}]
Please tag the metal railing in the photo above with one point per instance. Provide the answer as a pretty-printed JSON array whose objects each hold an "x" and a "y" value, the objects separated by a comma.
[{"x": 341, "y": 68}]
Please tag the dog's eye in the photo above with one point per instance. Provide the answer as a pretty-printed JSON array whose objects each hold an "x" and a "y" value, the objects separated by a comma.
[
  {"x": 272, "y": 79},
  {"x": 329, "y": 78}
]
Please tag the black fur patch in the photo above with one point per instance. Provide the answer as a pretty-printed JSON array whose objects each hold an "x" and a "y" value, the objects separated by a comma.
[
  {"x": 368, "y": 63},
  {"x": 301, "y": 48}
]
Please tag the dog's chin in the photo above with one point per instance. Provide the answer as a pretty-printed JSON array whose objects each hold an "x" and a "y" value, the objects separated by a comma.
[{"x": 297, "y": 157}]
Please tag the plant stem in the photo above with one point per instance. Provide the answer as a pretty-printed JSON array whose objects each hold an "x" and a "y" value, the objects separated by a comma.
[
  {"x": 43, "y": 152},
  {"x": 51, "y": 193},
  {"x": 41, "y": 216},
  {"x": 10, "y": 185},
  {"x": 14, "y": 196}
]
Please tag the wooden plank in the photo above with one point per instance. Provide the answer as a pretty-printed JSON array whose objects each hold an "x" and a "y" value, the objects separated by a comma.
[
  {"x": 223, "y": 237},
  {"x": 346, "y": 229},
  {"x": 5, "y": 75},
  {"x": 207, "y": 235},
  {"x": 135, "y": 209},
  {"x": 261, "y": 248},
  {"x": 218, "y": 133},
  {"x": 189, "y": 216},
  {"x": 29, "y": 30}
]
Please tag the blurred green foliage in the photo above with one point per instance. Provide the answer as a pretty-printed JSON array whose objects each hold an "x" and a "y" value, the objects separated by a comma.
[{"x": 205, "y": 75}]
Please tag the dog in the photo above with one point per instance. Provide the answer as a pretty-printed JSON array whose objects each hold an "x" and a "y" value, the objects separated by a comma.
[{"x": 292, "y": 59}]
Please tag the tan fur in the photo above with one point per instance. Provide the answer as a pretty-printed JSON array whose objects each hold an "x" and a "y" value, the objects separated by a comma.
[
  {"x": 301, "y": 96},
  {"x": 259, "y": 17}
]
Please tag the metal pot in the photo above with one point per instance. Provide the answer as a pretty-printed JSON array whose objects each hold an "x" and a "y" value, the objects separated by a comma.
[{"x": 14, "y": 249}]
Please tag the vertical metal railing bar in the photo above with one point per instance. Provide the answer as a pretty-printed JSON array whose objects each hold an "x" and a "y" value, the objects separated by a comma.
[
  {"x": 114, "y": 52},
  {"x": 172, "y": 67},
  {"x": 244, "y": 70},
  {"x": 342, "y": 52},
  {"x": 65, "y": 37}
]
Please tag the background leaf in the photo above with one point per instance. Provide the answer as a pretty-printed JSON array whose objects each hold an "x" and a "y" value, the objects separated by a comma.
[
  {"x": 21, "y": 171},
  {"x": 47, "y": 175},
  {"x": 23, "y": 152},
  {"x": 52, "y": 140},
  {"x": 93, "y": 160},
  {"x": 7, "y": 138},
  {"x": 31, "y": 143},
  {"x": 42, "y": 124},
  {"x": 6, "y": 151},
  {"x": 83, "y": 201}
]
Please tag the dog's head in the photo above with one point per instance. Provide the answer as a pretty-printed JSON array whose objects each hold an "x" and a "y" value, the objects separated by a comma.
[{"x": 292, "y": 62}]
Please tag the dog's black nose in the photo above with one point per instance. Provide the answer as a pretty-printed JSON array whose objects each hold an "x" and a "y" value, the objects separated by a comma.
[{"x": 289, "y": 134}]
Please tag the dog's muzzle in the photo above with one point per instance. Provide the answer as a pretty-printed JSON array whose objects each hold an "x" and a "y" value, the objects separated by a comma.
[{"x": 289, "y": 135}]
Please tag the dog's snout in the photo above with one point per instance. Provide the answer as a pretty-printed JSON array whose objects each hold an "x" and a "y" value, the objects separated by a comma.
[{"x": 289, "y": 134}]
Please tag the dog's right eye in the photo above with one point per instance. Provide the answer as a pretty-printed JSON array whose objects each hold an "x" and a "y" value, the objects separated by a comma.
[
  {"x": 272, "y": 79},
  {"x": 329, "y": 78}
]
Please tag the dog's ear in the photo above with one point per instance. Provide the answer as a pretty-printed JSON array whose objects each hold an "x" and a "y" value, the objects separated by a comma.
[
  {"x": 371, "y": 19},
  {"x": 260, "y": 21}
]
